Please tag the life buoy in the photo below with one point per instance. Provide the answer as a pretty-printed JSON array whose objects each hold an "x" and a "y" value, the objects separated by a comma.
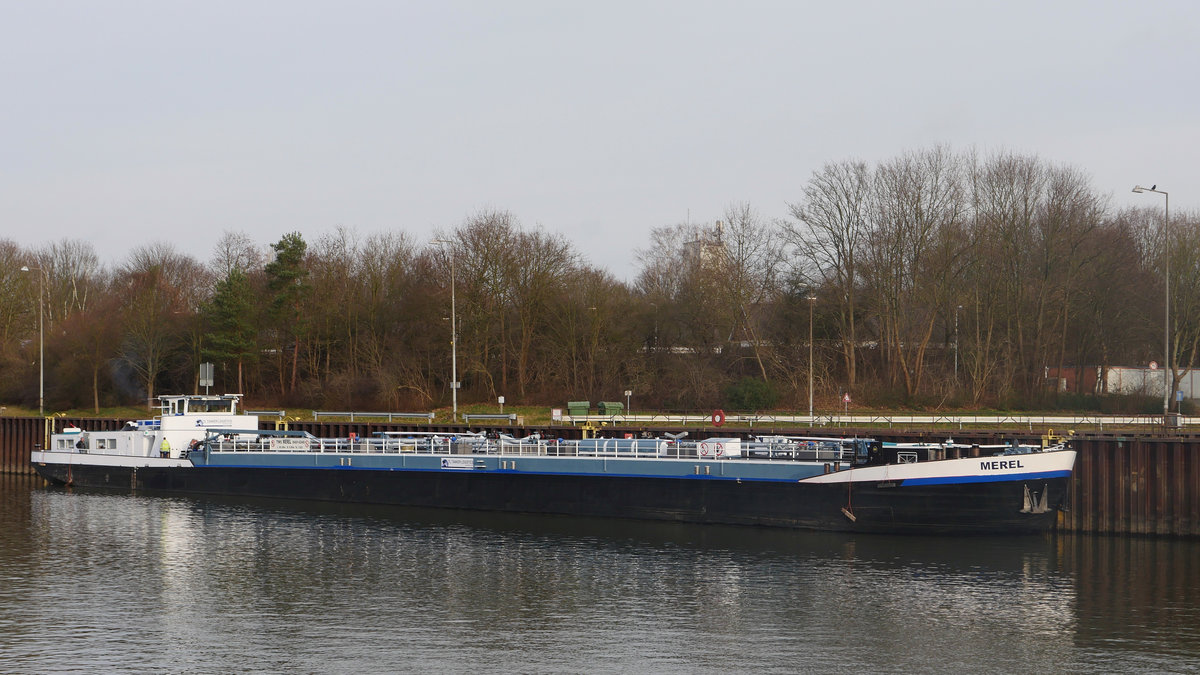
[{"x": 718, "y": 418}]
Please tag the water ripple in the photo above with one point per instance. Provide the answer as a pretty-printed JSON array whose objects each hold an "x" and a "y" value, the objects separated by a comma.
[{"x": 118, "y": 583}]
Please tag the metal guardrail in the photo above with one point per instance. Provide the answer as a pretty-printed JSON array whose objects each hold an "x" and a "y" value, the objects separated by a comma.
[
  {"x": 265, "y": 413},
  {"x": 512, "y": 417},
  {"x": 318, "y": 414},
  {"x": 890, "y": 420}
]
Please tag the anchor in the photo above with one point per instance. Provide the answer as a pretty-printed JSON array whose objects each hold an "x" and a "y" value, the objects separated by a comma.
[{"x": 1032, "y": 504}]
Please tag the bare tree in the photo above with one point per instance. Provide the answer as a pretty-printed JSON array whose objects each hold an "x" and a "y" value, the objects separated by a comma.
[
  {"x": 161, "y": 291},
  {"x": 1007, "y": 194},
  {"x": 1185, "y": 293},
  {"x": 681, "y": 277},
  {"x": 917, "y": 201},
  {"x": 485, "y": 250},
  {"x": 236, "y": 251},
  {"x": 15, "y": 293},
  {"x": 544, "y": 263},
  {"x": 828, "y": 235},
  {"x": 754, "y": 257},
  {"x": 73, "y": 274}
]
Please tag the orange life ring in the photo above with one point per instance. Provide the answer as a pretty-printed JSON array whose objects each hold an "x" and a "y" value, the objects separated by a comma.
[{"x": 718, "y": 418}]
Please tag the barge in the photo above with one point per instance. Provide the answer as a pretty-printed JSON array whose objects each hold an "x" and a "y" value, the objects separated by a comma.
[{"x": 203, "y": 444}]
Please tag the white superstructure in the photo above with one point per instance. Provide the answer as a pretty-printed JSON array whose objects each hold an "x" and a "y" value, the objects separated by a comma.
[{"x": 181, "y": 423}]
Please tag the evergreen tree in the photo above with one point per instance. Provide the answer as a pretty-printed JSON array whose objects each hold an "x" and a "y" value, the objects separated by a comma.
[
  {"x": 287, "y": 279},
  {"x": 231, "y": 326}
]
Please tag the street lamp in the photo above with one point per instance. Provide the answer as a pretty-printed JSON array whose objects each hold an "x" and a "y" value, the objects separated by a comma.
[
  {"x": 454, "y": 383},
  {"x": 41, "y": 339},
  {"x": 812, "y": 300},
  {"x": 1168, "y": 375}
]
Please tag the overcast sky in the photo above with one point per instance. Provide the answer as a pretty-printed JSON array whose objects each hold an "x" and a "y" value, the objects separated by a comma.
[{"x": 129, "y": 122}]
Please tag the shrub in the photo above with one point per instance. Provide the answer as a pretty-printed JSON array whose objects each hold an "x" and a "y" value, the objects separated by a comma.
[{"x": 751, "y": 393}]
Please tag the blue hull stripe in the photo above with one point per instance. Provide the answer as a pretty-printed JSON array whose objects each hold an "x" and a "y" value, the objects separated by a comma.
[{"x": 945, "y": 480}]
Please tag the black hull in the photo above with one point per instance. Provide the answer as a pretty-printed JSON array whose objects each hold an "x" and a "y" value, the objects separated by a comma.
[{"x": 977, "y": 508}]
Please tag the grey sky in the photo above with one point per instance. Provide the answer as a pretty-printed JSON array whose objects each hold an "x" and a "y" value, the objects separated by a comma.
[{"x": 127, "y": 122}]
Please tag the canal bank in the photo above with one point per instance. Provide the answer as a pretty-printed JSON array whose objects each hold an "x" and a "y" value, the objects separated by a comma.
[{"x": 1146, "y": 483}]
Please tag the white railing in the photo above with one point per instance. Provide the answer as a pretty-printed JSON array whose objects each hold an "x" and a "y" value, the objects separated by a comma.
[
  {"x": 894, "y": 419},
  {"x": 784, "y": 449}
]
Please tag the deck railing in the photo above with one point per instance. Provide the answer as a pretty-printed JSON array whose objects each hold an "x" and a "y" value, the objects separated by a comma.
[{"x": 606, "y": 448}]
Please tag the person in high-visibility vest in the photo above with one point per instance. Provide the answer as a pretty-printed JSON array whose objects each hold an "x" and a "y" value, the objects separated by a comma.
[{"x": 165, "y": 448}]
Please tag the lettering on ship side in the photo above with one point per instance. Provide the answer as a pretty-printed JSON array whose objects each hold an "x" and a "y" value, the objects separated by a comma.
[{"x": 1001, "y": 464}]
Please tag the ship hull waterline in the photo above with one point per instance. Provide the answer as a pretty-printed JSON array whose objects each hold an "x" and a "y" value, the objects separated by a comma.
[{"x": 996, "y": 507}]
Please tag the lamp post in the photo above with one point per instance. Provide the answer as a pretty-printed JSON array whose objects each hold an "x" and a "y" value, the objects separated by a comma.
[
  {"x": 812, "y": 300},
  {"x": 41, "y": 339},
  {"x": 453, "y": 334},
  {"x": 1168, "y": 374}
]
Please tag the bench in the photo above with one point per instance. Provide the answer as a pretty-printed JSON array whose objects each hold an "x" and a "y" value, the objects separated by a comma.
[
  {"x": 512, "y": 417},
  {"x": 317, "y": 415}
]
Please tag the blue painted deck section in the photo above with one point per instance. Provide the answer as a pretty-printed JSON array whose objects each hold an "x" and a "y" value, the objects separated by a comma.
[{"x": 749, "y": 470}]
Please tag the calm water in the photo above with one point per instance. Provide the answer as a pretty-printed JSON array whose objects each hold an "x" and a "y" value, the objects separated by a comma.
[{"x": 97, "y": 582}]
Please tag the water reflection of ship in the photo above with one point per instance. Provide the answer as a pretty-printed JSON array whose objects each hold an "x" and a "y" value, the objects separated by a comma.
[{"x": 928, "y": 554}]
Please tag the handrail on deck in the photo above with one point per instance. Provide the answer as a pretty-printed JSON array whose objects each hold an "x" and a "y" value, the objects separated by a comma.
[{"x": 478, "y": 445}]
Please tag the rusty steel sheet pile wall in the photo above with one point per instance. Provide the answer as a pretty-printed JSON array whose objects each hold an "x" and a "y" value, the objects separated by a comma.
[
  {"x": 18, "y": 436},
  {"x": 1136, "y": 485}
]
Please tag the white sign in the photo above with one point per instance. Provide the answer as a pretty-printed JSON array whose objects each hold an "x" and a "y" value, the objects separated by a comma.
[
  {"x": 846, "y": 398},
  {"x": 288, "y": 444},
  {"x": 458, "y": 463},
  {"x": 556, "y": 414}
]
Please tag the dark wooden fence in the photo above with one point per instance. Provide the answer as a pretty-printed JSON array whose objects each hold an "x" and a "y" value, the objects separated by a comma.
[{"x": 1128, "y": 485}]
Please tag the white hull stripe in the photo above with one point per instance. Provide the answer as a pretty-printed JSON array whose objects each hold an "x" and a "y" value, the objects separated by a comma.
[
  {"x": 965, "y": 470},
  {"x": 96, "y": 459}
]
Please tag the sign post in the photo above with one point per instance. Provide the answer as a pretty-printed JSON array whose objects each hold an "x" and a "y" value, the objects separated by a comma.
[{"x": 206, "y": 376}]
